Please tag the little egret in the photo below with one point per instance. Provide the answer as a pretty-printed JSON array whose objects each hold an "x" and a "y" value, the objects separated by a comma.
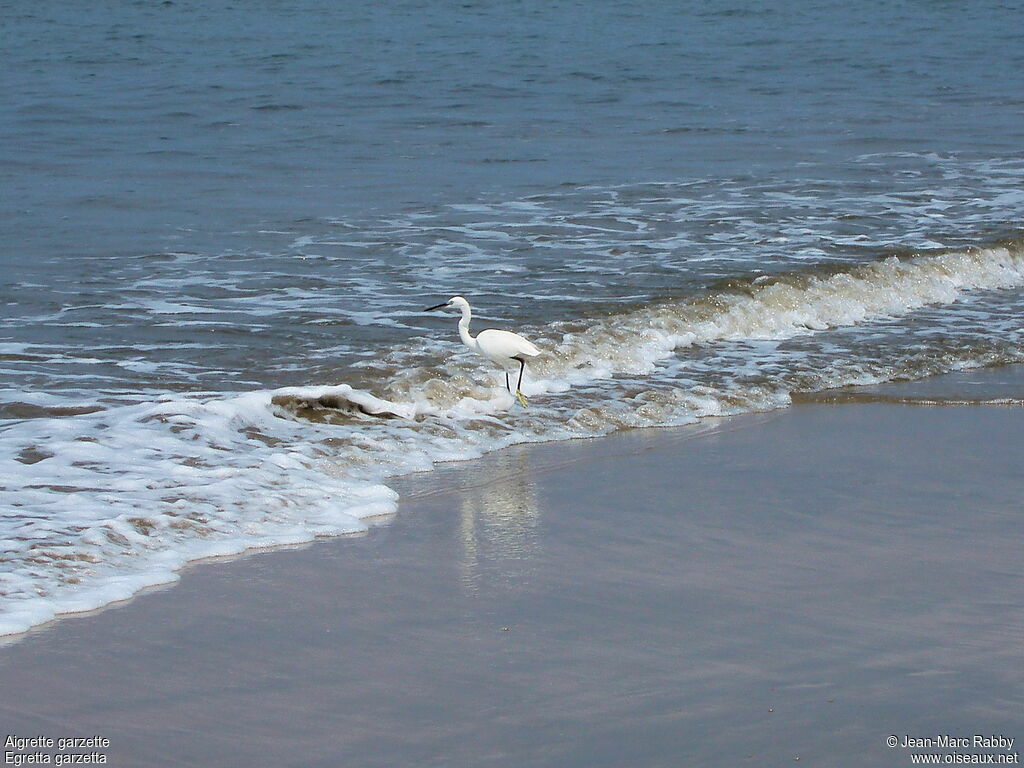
[{"x": 502, "y": 347}]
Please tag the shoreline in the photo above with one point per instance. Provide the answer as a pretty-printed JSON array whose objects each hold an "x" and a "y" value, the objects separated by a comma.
[{"x": 797, "y": 583}]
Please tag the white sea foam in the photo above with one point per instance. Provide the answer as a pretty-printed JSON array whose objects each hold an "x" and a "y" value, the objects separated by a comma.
[
  {"x": 103, "y": 503},
  {"x": 117, "y": 500},
  {"x": 796, "y": 304}
]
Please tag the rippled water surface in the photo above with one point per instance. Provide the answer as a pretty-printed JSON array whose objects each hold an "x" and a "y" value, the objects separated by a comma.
[{"x": 222, "y": 222}]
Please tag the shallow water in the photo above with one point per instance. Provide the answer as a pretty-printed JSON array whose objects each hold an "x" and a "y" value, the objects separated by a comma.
[{"x": 215, "y": 216}]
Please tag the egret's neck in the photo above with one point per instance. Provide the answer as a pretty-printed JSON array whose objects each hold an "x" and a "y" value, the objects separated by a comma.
[{"x": 464, "y": 334}]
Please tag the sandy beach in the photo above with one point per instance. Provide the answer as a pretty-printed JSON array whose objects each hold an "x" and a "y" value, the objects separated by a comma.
[{"x": 773, "y": 589}]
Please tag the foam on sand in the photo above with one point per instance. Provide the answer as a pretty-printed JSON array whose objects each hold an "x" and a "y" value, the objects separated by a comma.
[{"x": 104, "y": 499}]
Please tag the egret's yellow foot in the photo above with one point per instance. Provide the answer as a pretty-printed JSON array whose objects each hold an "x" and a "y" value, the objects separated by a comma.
[{"x": 522, "y": 399}]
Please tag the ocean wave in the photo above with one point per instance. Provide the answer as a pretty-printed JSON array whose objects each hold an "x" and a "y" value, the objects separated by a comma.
[{"x": 104, "y": 499}]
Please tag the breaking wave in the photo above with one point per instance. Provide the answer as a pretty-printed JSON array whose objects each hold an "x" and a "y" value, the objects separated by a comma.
[{"x": 106, "y": 498}]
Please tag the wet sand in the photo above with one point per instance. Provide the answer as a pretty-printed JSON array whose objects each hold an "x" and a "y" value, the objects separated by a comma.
[{"x": 749, "y": 591}]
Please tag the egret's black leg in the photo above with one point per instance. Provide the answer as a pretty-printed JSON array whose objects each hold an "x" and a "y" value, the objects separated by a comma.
[
  {"x": 519, "y": 394},
  {"x": 507, "y": 385}
]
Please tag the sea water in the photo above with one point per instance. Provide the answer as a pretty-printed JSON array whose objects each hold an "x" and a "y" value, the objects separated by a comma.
[{"x": 221, "y": 222}]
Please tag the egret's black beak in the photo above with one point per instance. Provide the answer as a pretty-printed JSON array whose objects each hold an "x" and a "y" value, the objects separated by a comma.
[{"x": 431, "y": 309}]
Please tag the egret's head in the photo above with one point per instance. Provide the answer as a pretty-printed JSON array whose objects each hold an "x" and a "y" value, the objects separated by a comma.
[{"x": 455, "y": 302}]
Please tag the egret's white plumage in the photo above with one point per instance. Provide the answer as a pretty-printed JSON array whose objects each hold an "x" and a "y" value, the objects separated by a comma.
[{"x": 505, "y": 348}]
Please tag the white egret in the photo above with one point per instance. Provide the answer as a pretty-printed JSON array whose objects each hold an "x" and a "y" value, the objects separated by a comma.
[{"x": 502, "y": 347}]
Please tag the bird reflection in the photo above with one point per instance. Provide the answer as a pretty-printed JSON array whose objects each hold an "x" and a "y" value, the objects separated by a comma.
[{"x": 498, "y": 520}]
